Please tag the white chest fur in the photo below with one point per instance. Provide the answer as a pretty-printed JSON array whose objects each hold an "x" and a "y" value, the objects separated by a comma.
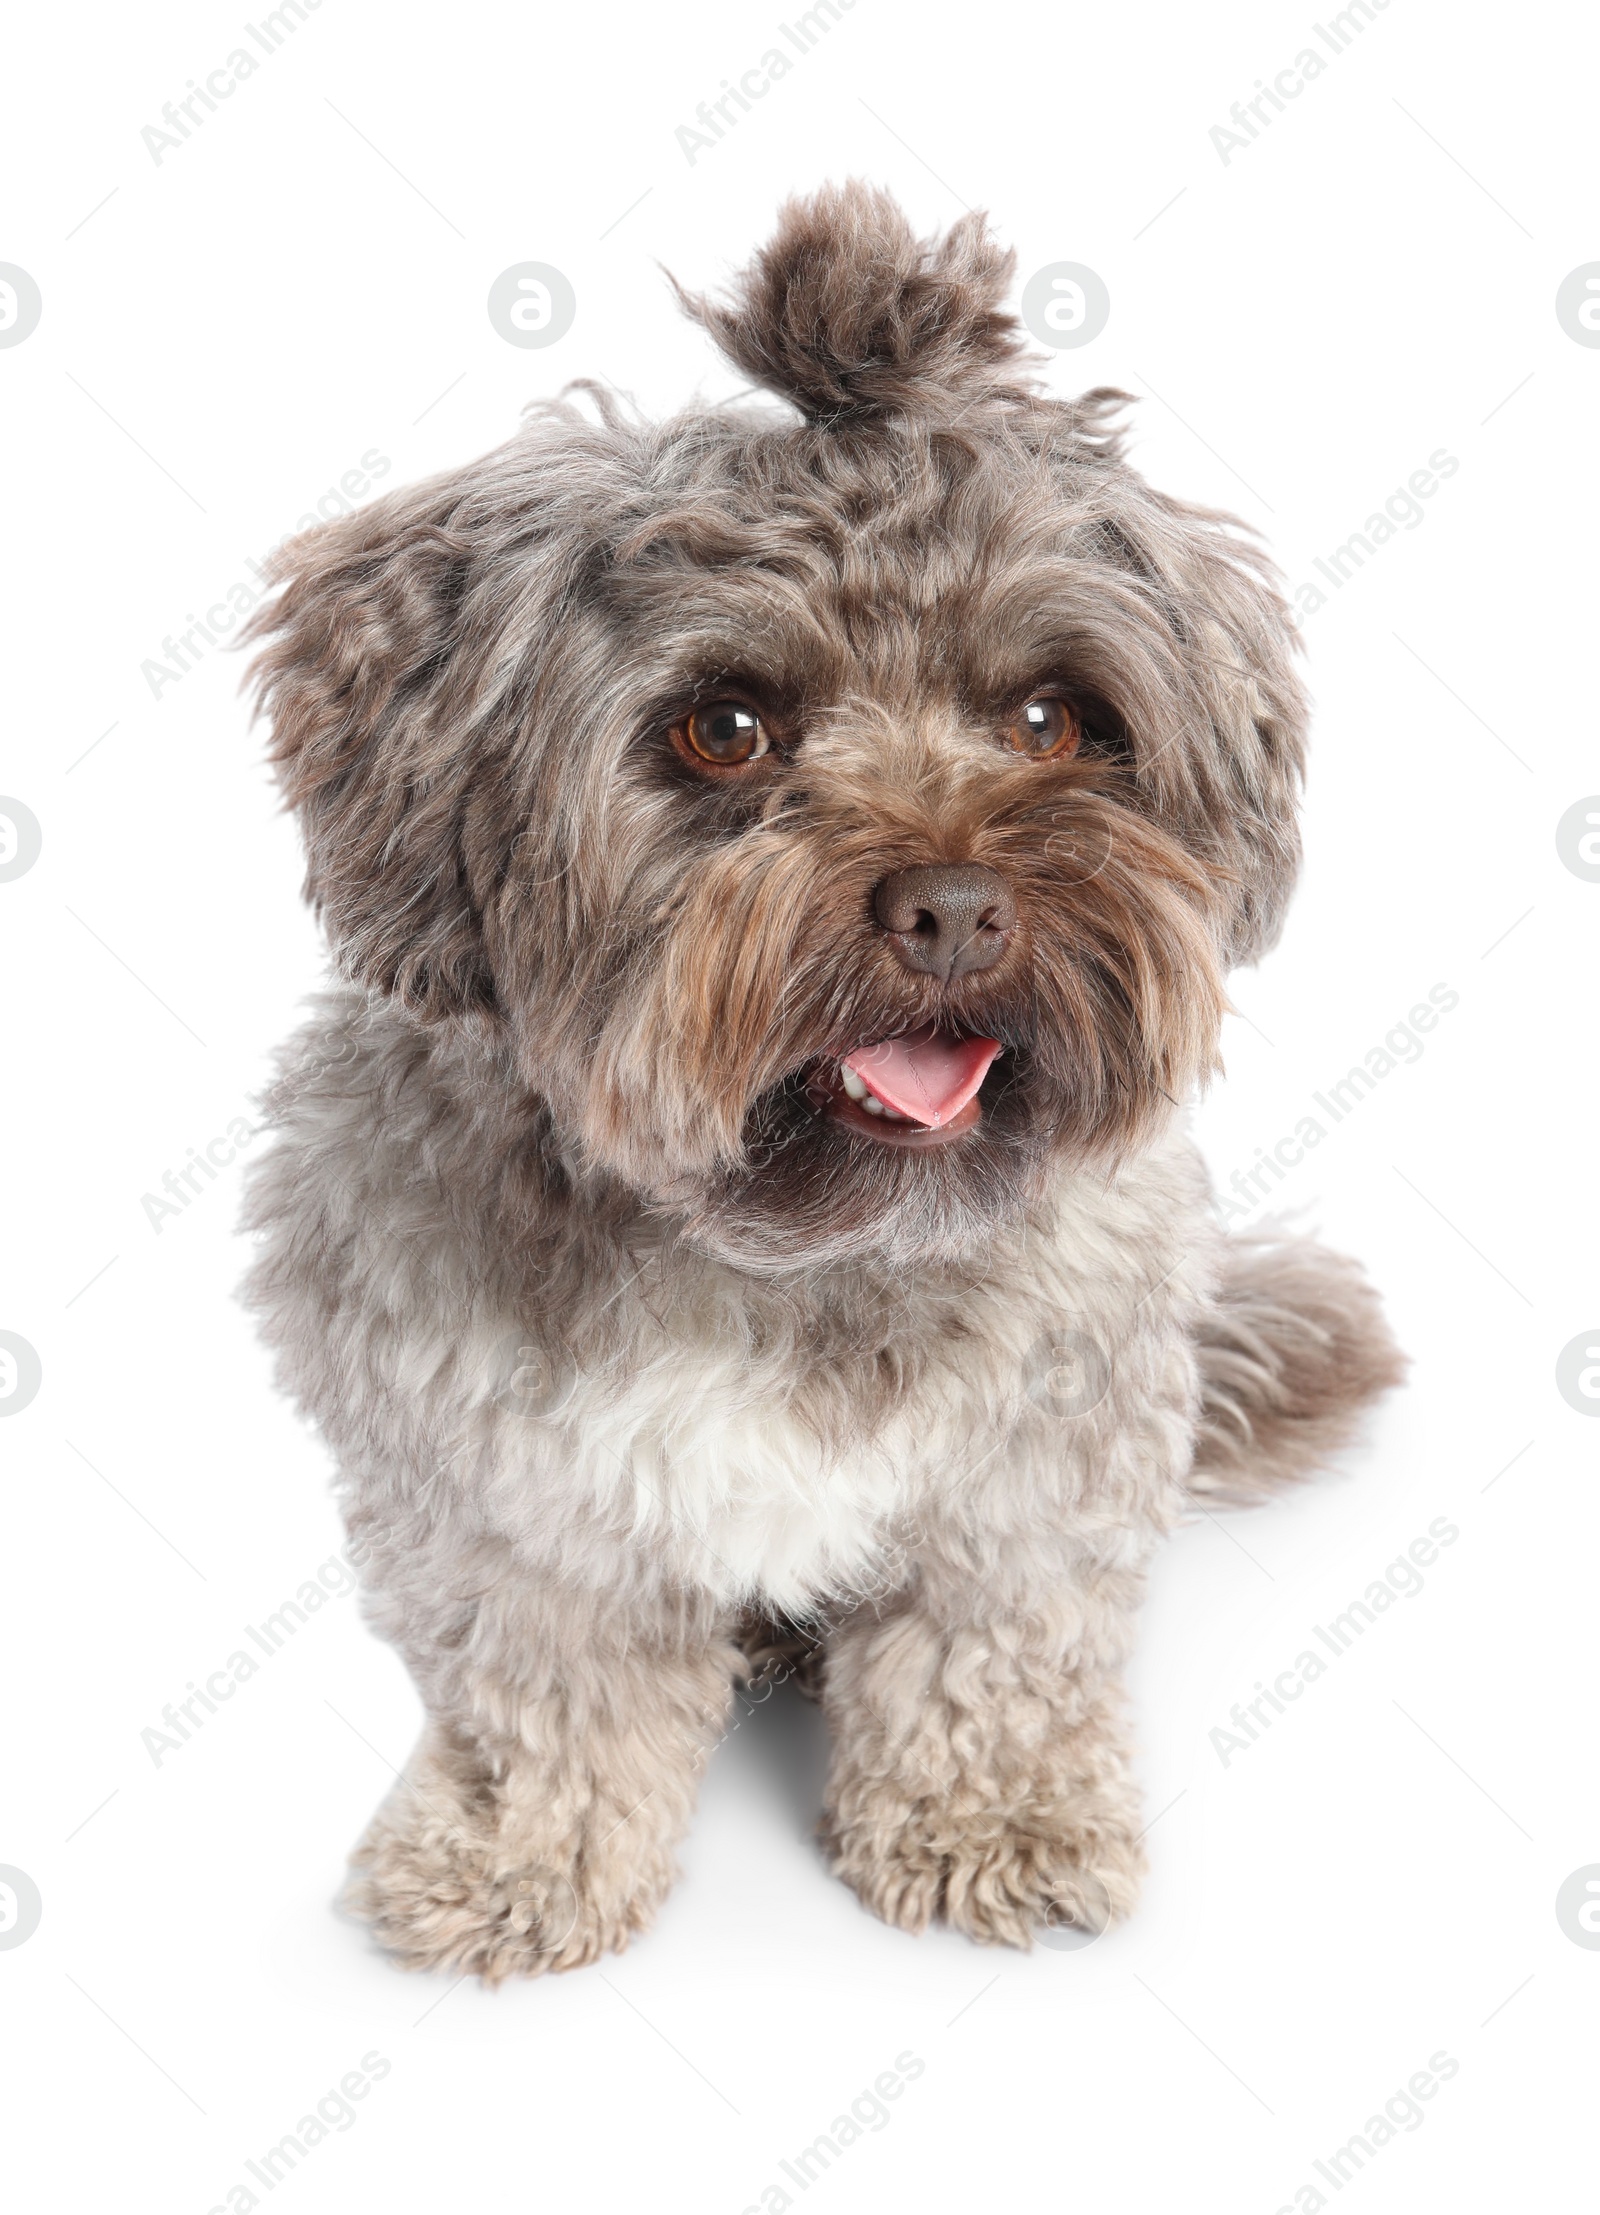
[{"x": 702, "y": 1444}]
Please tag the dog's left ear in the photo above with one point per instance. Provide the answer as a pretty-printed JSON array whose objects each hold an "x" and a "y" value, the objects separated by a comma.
[
  {"x": 369, "y": 697},
  {"x": 1223, "y": 758},
  {"x": 1241, "y": 653}
]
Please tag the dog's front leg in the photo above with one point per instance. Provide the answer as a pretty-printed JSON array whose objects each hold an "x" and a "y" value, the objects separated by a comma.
[
  {"x": 980, "y": 1771},
  {"x": 536, "y": 1824}
]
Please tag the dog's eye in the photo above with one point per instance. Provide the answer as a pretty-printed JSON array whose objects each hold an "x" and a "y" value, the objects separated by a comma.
[
  {"x": 725, "y": 732},
  {"x": 1045, "y": 728}
]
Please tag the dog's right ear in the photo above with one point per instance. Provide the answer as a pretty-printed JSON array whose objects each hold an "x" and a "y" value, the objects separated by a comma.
[{"x": 368, "y": 694}]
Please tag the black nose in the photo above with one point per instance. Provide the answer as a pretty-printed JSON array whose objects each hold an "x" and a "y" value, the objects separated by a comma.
[{"x": 946, "y": 919}]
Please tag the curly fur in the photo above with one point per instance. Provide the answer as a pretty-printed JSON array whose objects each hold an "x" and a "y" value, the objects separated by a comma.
[
  {"x": 1292, "y": 1348},
  {"x": 848, "y": 313},
  {"x": 637, "y": 1367}
]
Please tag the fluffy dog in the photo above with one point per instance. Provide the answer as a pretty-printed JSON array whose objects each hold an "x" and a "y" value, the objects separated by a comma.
[{"x": 784, "y": 867}]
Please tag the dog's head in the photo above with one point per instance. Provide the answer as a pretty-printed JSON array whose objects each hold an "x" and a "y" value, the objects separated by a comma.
[{"x": 839, "y": 816}]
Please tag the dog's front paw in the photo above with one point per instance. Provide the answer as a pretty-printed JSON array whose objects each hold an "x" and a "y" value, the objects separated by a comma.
[
  {"x": 443, "y": 1889},
  {"x": 1002, "y": 1879}
]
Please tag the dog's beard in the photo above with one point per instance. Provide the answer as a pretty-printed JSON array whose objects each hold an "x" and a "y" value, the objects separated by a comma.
[
  {"x": 806, "y": 1192},
  {"x": 712, "y": 1086}
]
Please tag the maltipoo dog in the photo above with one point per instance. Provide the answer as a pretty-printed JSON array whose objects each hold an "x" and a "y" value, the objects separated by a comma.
[{"x": 784, "y": 864}]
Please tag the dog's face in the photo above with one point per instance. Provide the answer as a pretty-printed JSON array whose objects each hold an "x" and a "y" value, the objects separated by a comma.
[{"x": 836, "y": 821}]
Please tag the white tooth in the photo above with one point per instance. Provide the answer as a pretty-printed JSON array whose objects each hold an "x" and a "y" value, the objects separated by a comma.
[
  {"x": 853, "y": 1084},
  {"x": 872, "y": 1106}
]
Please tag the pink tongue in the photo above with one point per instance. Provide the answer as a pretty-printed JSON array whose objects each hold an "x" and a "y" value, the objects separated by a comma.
[{"x": 925, "y": 1076}]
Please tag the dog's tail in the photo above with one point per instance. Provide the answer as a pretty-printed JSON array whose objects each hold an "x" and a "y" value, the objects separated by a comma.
[{"x": 1293, "y": 1350}]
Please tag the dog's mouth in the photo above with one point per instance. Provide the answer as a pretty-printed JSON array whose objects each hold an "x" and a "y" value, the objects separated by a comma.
[{"x": 919, "y": 1089}]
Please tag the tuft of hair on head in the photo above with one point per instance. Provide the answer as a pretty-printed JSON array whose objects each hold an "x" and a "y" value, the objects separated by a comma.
[{"x": 850, "y": 315}]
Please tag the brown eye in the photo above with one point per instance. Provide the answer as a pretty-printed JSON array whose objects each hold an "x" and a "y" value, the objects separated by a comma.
[
  {"x": 725, "y": 732},
  {"x": 1046, "y": 728}
]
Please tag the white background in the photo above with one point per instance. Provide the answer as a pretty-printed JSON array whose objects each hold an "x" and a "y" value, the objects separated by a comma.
[{"x": 1374, "y": 1880}]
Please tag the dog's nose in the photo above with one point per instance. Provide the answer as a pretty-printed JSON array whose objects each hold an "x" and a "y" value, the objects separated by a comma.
[{"x": 946, "y": 919}]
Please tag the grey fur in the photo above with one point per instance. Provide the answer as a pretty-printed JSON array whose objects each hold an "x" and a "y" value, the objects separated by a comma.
[{"x": 623, "y": 1350}]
